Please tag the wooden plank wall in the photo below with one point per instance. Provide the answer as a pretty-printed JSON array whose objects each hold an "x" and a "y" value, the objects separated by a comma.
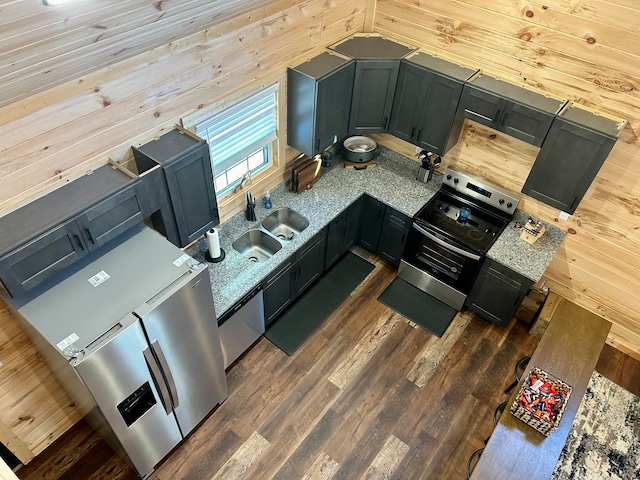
[
  {"x": 587, "y": 51},
  {"x": 81, "y": 83}
]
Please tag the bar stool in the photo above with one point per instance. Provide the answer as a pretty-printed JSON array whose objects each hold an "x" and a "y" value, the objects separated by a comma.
[
  {"x": 518, "y": 370},
  {"x": 498, "y": 410}
]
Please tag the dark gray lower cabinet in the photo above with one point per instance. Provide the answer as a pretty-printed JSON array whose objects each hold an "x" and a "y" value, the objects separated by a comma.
[
  {"x": 343, "y": 232},
  {"x": 354, "y": 224},
  {"x": 384, "y": 230},
  {"x": 294, "y": 276},
  {"x": 335, "y": 239},
  {"x": 278, "y": 291},
  {"x": 309, "y": 264},
  {"x": 497, "y": 293},
  {"x": 393, "y": 235},
  {"x": 372, "y": 219}
]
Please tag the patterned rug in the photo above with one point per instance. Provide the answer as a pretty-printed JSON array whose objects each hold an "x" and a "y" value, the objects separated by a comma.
[{"x": 604, "y": 442}]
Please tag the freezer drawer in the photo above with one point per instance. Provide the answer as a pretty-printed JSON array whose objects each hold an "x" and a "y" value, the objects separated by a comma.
[{"x": 118, "y": 376}]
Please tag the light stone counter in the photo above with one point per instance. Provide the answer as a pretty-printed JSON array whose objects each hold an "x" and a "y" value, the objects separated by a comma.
[
  {"x": 393, "y": 181},
  {"x": 522, "y": 257}
]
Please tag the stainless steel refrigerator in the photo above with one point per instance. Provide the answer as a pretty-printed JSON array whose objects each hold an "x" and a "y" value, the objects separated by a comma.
[{"x": 134, "y": 339}]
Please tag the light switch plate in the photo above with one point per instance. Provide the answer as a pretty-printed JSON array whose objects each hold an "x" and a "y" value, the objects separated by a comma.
[{"x": 563, "y": 215}]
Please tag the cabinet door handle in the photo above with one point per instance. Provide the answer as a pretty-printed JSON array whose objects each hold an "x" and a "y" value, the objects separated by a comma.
[
  {"x": 413, "y": 129},
  {"x": 317, "y": 144},
  {"x": 89, "y": 237},
  {"x": 386, "y": 121},
  {"x": 418, "y": 135},
  {"x": 475, "y": 114},
  {"x": 78, "y": 242}
]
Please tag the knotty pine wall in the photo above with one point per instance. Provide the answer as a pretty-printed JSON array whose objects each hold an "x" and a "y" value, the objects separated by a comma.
[
  {"x": 587, "y": 51},
  {"x": 83, "y": 82}
]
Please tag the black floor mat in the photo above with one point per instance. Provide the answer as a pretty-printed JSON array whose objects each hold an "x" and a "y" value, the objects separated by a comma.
[
  {"x": 318, "y": 303},
  {"x": 419, "y": 307}
]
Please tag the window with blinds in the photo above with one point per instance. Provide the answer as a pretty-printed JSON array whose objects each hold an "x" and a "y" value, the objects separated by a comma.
[{"x": 240, "y": 137}]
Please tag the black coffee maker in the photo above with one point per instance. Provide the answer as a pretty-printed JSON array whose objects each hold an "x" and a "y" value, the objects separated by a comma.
[{"x": 428, "y": 162}]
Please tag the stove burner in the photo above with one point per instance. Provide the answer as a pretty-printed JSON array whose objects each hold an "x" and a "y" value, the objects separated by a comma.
[{"x": 475, "y": 234}]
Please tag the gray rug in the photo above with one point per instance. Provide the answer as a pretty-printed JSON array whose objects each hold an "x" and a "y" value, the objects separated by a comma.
[{"x": 604, "y": 442}]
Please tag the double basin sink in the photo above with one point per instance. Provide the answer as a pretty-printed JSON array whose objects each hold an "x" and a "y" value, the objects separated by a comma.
[{"x": 260, "y": 244}]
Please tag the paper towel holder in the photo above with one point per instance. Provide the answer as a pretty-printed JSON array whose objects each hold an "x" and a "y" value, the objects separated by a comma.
[
  {"x": 208, "y": 252},
  {"x": 217, "y": 259}
]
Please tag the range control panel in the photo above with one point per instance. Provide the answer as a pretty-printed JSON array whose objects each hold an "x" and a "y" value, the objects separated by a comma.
[{"x": 481, "y": 190}]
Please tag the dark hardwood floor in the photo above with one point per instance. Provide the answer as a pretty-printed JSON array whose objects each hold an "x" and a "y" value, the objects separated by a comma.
[{"x": 369, "y": 395}]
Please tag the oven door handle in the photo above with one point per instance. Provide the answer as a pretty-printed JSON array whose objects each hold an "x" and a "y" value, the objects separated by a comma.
[{"x": 444, "y": 244}]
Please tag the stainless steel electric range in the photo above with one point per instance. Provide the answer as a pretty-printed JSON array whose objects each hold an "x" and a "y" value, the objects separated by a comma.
[{"x": 451, "y": 234}]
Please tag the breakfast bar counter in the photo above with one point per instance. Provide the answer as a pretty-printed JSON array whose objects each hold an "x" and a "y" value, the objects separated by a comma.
[{"x": 568, "y": 350}]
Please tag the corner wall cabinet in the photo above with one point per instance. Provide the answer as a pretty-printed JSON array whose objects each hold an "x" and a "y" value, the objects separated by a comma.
[
  {"x": 571, "y": 156},
  {"x": 426, "y": 100},
  {"x": 508, "y": 108},
  {"x": 497, "y": 292},
  {"x": 187, "y": 205},
  {"x": 65, "y": 225},
  {"x": 376, "y": 73},
  {"x": 318, "y": 102}
]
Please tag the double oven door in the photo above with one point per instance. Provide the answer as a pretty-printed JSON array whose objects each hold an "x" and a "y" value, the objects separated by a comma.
[{"x": 438, "y": 264}]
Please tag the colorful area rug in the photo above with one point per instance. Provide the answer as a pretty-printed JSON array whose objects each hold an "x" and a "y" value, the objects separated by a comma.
[{"x": 604, "y": 442}]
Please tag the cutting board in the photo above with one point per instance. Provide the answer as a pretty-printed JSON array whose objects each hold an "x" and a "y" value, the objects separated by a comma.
[{"x": 304, "y": 173}]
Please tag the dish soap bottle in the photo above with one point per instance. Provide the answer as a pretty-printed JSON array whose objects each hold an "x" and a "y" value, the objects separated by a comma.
[{"x": 267, "y": 199}]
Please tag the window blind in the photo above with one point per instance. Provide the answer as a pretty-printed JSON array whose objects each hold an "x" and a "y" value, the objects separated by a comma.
[{"x": 240, "y": 130}]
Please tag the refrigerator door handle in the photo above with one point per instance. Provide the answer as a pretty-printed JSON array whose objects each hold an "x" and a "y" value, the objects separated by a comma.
[
  {"x": 157, "y": 349},
  {"x": 156, "y": 375}
]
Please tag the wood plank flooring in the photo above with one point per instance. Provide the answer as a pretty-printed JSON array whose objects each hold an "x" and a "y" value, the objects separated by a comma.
[{"x": 369, "y": 396}]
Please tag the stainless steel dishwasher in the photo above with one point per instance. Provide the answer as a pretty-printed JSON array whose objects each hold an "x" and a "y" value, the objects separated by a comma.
[{"x": 241, "y": 325}]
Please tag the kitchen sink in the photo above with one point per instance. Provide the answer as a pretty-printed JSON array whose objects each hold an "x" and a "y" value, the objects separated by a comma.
[
  {"x": 285, "y": 223},
  {"x": 256, "y": 245}
]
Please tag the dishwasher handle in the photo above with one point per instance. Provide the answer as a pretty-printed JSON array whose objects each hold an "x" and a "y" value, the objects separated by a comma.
[{"x": 239, "y": 304}]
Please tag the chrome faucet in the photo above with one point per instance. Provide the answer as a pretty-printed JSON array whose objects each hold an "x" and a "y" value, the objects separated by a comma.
[{"x": 250, "y": 212}]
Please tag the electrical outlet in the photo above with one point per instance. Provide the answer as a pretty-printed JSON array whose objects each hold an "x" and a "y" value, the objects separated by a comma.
[
  {"x": 563, "y": 215},
  {"x": 418, "y": 149}
]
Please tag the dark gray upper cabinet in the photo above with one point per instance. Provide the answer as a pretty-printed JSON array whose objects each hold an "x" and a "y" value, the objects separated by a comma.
[
  {"x": 188, "y": 181},
  {"x": 425, "y": 102},
  {"x": 45, "y": 237},
  {"x": 577, "y": 145},
  {"x": 111, "y": 217},
  {"x": 508, "y": 108},
  {"x": 318, "y": 102},
  {"x": 377, "y": 64}
]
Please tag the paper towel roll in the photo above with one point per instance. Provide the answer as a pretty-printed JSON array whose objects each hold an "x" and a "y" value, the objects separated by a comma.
[{"x": 213, "y": 242}]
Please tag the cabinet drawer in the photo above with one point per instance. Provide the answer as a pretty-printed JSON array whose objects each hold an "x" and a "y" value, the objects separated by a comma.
[{"x": 399, "y": 218}]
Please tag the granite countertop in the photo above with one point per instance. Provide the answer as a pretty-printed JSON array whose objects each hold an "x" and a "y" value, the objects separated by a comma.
[
  {"x": 392, "y": 181},
  {"x": 530, "y": 260}
]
